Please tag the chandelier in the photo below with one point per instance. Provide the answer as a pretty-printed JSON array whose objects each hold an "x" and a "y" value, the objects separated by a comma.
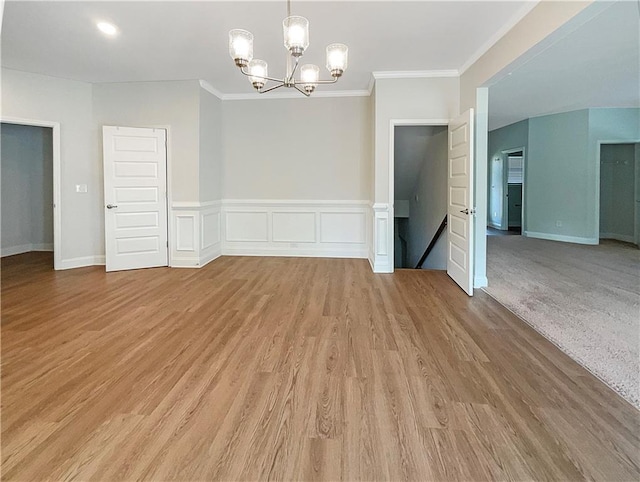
[{"x": 296, "y": 41}]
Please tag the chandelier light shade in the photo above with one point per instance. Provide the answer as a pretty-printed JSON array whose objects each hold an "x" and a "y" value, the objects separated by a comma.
[
  {"x": 295, "y": 30},
  {"x": 296, "y": 34},
  {"x": 258, "y": 71},
  {"x": 337, "y": 57},
  {"x": 241, "y": 46},
  {"x": 309, "y": 75}
]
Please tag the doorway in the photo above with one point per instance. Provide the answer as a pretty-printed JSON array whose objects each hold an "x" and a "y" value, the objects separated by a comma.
[
  {"x": 515, "y": 185},
  {"x": 29, "y": 171},
  {"x": 507, "y": 193},
  {"x": 619, "y": 192},
  {"x": 420, "y": 195}
]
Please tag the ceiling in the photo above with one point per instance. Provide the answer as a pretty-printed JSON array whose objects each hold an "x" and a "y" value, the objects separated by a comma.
[
  {"x": 596, "y": 65},
  {"x": 188, "y": 40}
]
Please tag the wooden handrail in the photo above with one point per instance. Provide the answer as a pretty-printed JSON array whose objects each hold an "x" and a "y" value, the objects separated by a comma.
[{"x": 443, "y": 225}]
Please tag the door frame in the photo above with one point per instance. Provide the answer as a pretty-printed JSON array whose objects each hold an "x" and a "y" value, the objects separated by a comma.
[
  {"x": 636, "y": 228},
  {"x": 505, "y": 187},
  {"x": 57, "y": 204},
  {"x": 393, "y": 123},
  {"x": 170, "y": 220}
]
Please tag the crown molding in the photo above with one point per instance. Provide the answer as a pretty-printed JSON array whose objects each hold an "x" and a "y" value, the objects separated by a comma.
[
  {"x": 211, "y": 89},
  {"x": 414, "y": 74},
  {"x": 372, "y": 84},
  {"x": 501, "y": 32}
]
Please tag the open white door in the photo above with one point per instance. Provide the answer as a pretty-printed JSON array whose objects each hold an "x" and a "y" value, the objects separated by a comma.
[
  {"x": 460, "y": 209},
  {"x": 135, "y": 187}
]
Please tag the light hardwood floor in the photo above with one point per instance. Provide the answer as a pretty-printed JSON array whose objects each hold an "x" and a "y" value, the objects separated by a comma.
[{"x": 290, "y": 369}]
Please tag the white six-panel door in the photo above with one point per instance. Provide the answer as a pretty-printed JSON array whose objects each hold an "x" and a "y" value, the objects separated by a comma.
[
  {"x": 460, "y": 210},
  {"x": 135, "y": 203}
]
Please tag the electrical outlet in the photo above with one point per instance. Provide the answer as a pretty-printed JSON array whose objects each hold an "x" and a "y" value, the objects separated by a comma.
[{"x": 558, "y": 224}]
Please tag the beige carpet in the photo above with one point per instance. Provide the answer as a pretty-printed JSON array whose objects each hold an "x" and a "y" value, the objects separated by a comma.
[{"x": 585, "y": 299}]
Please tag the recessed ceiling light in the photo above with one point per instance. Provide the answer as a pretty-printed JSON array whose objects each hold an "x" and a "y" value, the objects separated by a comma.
[{"x": 107, "y": 28}]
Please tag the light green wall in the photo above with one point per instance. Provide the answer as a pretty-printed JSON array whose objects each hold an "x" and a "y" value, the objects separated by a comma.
[
  {"x": 558, "y": 182},
  {"x": 561, "y": 167}
]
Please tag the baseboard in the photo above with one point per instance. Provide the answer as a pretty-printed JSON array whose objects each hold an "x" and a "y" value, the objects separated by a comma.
[
  {"x": 208, "y": 257},
  {"x": 382, "y": 268},
  {"x": 618, "y": 237},
  {"x": 177, "y": 262},
  {"x": 480, "y": 282},
  {"x": 25, "y": 248},
  {"x": 293, "y": 252},
  {"x": 81, "y": 262},
  {"x": 560, "y": 237}
]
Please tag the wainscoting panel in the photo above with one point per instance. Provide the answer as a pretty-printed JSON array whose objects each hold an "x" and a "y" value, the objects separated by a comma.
[
  {"x": 381, "y": 260},
  {"x": 195, "y": 229},
  {"x": 186, "y": 234},
  {"x": 210, "y": 229},
  {"x": 343, "y": 228},
  {"x": 246, "y": 226},
  {"x": 295, "y": 228}
]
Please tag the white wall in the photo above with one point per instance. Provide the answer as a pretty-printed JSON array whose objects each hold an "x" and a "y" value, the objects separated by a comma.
[
  {"x": 211, "y": 152},
  {"x": 430, "y": 98},
  {"x": 39, "y": 97},
  {"x": 435, "y": 98},
  {"x": 157, "y": 104},
  {"x": 297, "y": 176},
  {"x": 27, "y": 189},
  {"x": 306, "y": 149}
]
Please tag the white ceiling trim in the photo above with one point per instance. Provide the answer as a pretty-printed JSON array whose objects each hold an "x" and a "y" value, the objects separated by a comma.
[
  {"x": 296, "y": 95},
  {"x": 414, "y": 74},
  {"x": 501, "y": 32},
  {"x": 211, "y": 89}
]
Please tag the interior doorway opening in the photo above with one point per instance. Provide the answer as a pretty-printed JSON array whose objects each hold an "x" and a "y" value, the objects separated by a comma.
[
  {"x": 420, "y": 195},
  {"x": 507, "y": 193},
  {"x": 27, "y": 167},
  {"x": 619, "y": 211}
]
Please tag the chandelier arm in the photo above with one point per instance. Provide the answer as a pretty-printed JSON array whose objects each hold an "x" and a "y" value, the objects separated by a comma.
[
  {"x": 270, "y": 89},
  {"x": 248, "y": 74},
  {"x": 300, "y": 82},
  {"x": 306, "y": 94},
  {"x": 291, "y": 79}
]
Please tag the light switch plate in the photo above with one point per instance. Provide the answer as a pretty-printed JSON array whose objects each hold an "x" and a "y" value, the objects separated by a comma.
[{"x": 81, "y": 188}]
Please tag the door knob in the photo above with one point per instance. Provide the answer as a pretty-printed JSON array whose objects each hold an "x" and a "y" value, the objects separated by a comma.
[
  {"x": 466, "y": 211},
  {"x": 111, "y": 206}
]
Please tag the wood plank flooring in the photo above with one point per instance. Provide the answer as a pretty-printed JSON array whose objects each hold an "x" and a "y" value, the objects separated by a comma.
[{"x": 290, "y": 369}]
